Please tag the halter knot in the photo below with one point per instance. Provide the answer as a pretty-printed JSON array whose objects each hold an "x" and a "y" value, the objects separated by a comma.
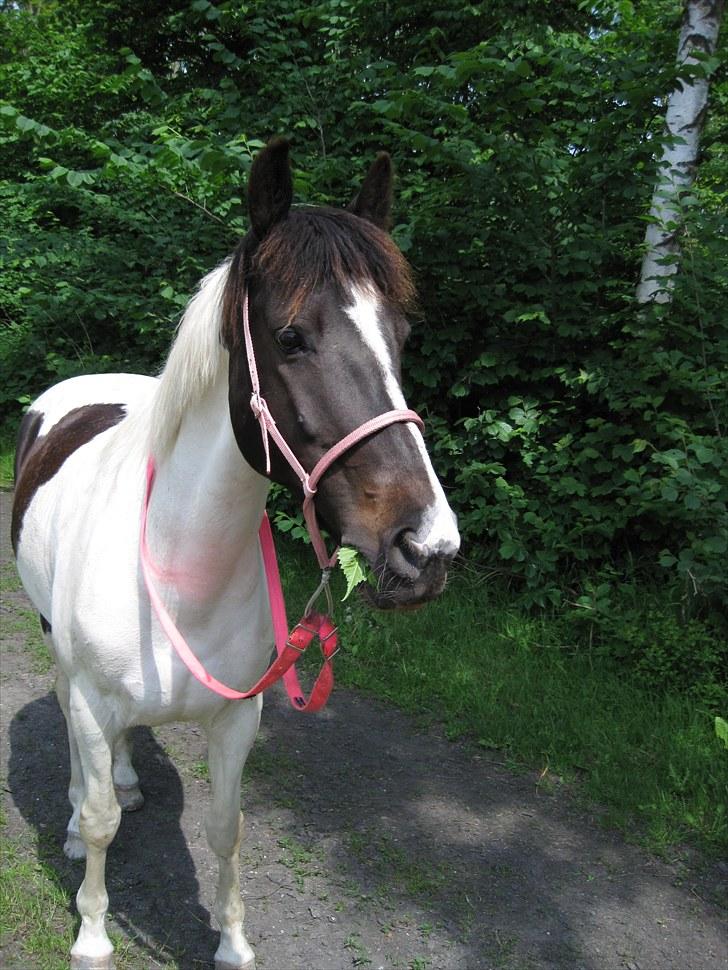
[
  {"x": 256, "y": 404},
  {"x": 260, "y": 412}
]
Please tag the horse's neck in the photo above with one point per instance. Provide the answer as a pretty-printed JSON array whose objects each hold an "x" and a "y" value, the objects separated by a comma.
[{"x": 207, "y": 502}]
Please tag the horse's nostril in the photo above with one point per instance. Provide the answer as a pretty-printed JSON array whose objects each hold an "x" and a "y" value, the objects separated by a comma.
[
  {"x": 414, "y": 551},
  {"x": 406, "y": 556}
]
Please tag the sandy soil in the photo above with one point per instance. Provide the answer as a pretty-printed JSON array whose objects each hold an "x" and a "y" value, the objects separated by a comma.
[{"x": 370, "y": 843}]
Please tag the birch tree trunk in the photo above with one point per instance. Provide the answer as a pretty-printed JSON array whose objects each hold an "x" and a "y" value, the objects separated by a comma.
[{"x": 686, "y": 109}]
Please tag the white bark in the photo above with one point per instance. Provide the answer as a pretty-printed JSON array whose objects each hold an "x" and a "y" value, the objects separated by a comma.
[{"x": 686, "y": 108}]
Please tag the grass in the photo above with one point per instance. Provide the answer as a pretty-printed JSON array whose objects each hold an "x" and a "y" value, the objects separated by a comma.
[
  {"x": 7, "y": 457},
  {"x": 302, "y": 860},
  {"x": 34, "y": 908},
  {"x": 360, "y": 957},
  {"x": 487, "y": 670},
  {"x": 393, "y": 869},
  {"x": 21, "y": 623},
  {"x": 9, "y": 580},
  {"x": 38, "y": 923}
]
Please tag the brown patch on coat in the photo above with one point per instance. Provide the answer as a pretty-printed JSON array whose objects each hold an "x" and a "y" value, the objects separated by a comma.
[
  {"x": 27, "y": 433},
  {"x": 43, "y": 457}
]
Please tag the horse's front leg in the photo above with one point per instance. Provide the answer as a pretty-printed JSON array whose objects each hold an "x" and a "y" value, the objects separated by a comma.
[{"x": 230, "y": 737}]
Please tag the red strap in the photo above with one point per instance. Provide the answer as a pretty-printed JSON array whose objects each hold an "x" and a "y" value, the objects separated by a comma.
[
  {"x": 326, "y": 631},
  {"x": 289, "y": 649},
  {"x": 320, "y": 626}
]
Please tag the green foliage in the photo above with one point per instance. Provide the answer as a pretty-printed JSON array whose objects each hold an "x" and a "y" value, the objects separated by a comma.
[
  {"x": 721, "y": 730},
  {"x": 354, "y": 572},
  {"x": 582, "y": 431},
  {"x": 666, "y": 652},
  {"x": 581, "y": 438},
  {"x": 7, "y": 460}
]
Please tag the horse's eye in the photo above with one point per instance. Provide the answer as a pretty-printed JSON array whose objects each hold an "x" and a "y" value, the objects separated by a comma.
[{"x": 289, "y": 340}]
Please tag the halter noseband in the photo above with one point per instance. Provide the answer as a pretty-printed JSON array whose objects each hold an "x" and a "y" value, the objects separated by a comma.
[{"x": 309, "y": 481}]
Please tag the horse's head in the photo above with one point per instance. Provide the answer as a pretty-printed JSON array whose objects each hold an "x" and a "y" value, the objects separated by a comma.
[{"x": 328, "y": 291}]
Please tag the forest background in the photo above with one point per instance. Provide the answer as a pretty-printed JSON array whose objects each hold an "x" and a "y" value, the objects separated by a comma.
[{"x": 581, "y": 435}]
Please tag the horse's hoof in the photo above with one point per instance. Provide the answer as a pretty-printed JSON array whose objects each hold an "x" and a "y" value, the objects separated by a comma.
[
  {"x": 74, "y": 848},
  {"x": 224, "y": 965},
  {"x": 129, "y": 797},
  {"x": 92, "y": 963}
]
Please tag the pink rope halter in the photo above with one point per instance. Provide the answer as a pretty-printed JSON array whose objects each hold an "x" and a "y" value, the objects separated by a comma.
[{"x": 313, "y": 625}]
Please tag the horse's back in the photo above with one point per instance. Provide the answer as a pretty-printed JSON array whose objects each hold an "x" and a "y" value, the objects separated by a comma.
[
  {"x": 129, "y": 391},
  {"x": 62, "y": 463}
]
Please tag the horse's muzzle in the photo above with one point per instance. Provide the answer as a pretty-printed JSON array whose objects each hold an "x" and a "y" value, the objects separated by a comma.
[{"x": 408, "y": 574}]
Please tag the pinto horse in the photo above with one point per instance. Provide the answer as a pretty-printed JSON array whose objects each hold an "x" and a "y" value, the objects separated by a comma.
[{"x": 323, "y": 293}]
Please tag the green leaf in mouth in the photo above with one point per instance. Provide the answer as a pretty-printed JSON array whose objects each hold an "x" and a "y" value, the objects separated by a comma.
[{"x": 354, "y": 568}]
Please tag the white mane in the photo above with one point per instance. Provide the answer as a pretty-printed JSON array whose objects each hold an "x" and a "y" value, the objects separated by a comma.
[{"x": 194, "y": 362}]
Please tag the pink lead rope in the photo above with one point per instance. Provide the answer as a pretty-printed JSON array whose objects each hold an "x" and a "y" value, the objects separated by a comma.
[
  {"x": 288, "y": 648},
  {"x": 313, "y": 625}
]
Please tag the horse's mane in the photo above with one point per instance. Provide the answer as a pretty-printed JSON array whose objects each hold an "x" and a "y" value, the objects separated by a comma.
[
  {"x": 195, "y": 360},
  {"x": 311, "y": 247}
]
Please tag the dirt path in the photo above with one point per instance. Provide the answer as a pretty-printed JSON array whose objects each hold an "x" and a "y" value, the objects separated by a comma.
[{"x": 369, "y": 843}]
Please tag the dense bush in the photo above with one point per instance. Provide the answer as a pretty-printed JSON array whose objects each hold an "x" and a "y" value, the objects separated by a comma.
[
  {"x": 643, "y": 631},
  {"x": 582, "y": 438}
]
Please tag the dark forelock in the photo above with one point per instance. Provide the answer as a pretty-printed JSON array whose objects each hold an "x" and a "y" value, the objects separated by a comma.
[{"x": 314, "y": 247}]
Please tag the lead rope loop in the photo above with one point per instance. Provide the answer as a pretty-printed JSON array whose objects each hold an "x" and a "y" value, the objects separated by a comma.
[
  {"x": 259, "y": 409},
  {"x": 323, "y": 587}
]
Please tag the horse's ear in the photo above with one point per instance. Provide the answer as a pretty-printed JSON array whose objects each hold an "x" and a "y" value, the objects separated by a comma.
[
  {"x": 374, "y": 199},
  {"x": 270, "y": 187}
]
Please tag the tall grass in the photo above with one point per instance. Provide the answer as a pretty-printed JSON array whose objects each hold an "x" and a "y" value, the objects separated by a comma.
[{"x": 490, "y": 671}]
